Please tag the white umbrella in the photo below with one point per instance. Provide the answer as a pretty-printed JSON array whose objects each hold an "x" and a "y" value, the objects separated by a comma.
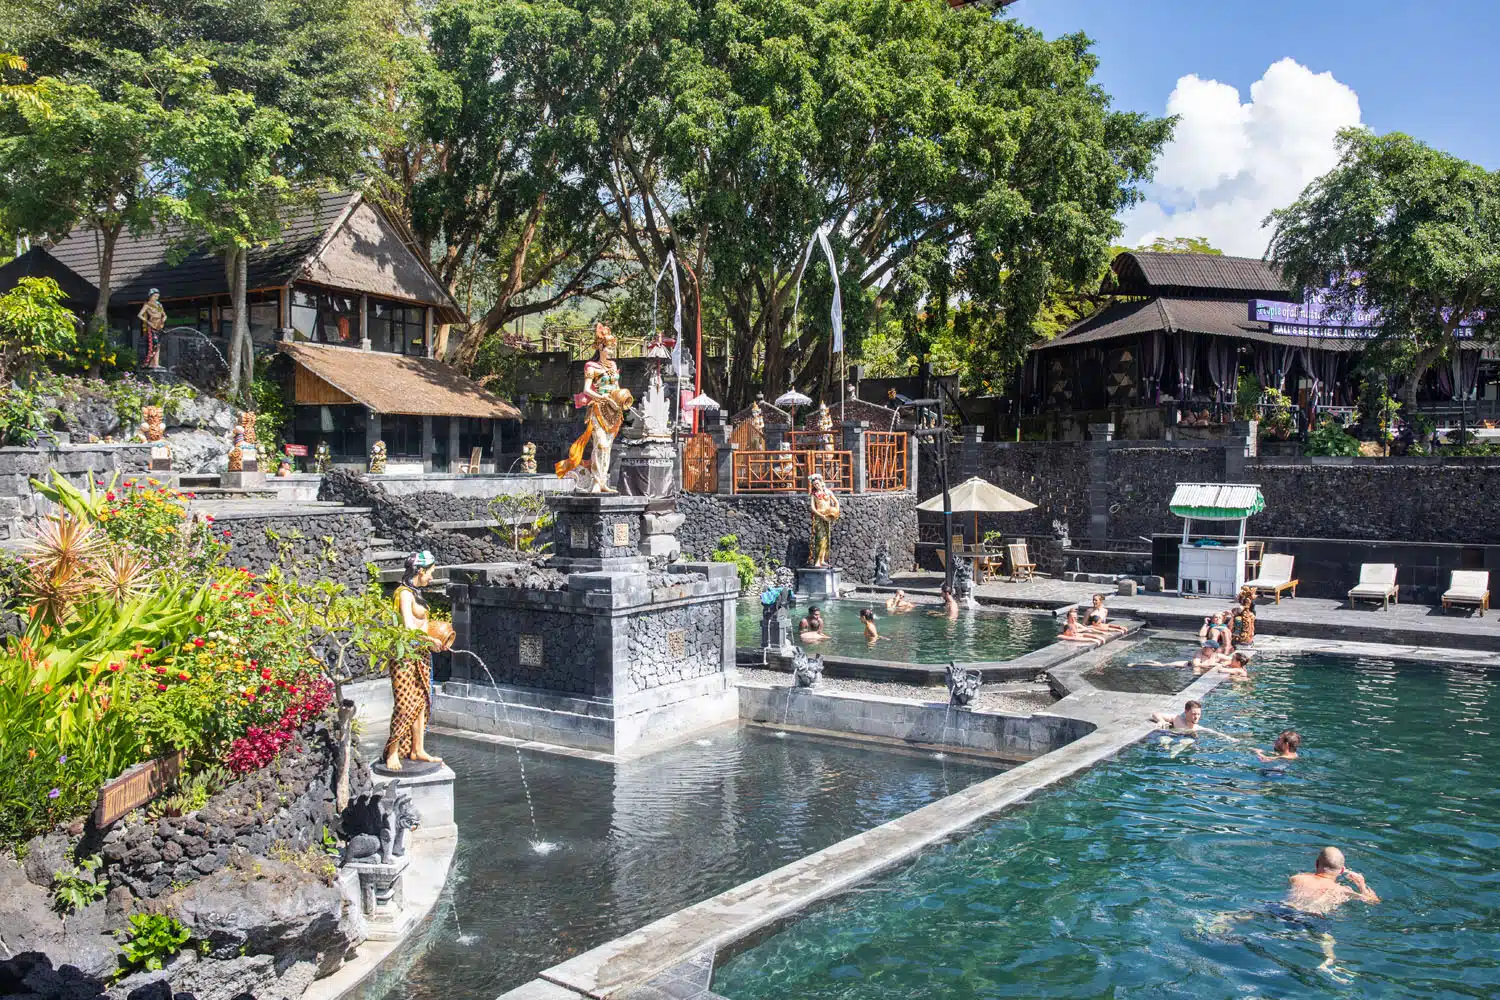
[
  {"x": 975, "y": 495},
  {"x": 702, "y": 401},
  {"x": 793, "y": 398}
]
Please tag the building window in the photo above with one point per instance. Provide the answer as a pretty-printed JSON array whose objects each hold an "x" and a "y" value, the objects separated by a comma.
[
  {"x": 326, "y": 317},
  {"x": 264, "y": 309},
  {"x": 402, "y": 435},
  {"x": 398, "y": 328},
  {"x": 342, "y": 427},
  {"x": 474, "y": 432}
]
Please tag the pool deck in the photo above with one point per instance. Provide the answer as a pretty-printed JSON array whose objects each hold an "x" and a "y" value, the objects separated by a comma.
[
  {"x": 1304, "y": 617},
  {"x": 673, "y": 957}
]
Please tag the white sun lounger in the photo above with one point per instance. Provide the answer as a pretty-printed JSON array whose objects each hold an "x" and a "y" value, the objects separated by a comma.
[
  {"x": 1469, "y": 587},
  {"x": 1275, "y": 576},
  {"x": 1377, "y": 582}
]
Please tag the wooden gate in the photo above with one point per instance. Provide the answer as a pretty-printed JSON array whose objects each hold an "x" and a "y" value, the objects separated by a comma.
[{"x": 700, "y": 465}]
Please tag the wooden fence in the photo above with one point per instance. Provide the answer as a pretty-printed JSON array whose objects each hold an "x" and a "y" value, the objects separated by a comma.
[
  {"x": 787, "y": 471},
  {"x": 885, "y": 461}
]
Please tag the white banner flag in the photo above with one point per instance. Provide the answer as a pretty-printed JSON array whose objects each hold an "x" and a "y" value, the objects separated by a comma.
[
  {"x": 670, "y": 265},
  {"x": 836, "y": 311}
]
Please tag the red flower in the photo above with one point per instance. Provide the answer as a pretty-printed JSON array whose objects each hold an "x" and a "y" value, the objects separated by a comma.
[
  {"x": 161, "y": 687},
  {"x": 198, "y": 642},
  {"x": 265, "y": 674},
  {"x": 182, "y": 675},
  {"x": 115, "y": 667},
  {"x": 161, "y": 670}
]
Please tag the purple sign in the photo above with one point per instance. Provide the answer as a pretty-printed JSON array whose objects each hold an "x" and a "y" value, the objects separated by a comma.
[{"x": 1317, "y": 317}]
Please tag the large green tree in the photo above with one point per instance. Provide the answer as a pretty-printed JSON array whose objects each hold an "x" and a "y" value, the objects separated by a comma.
[{"x": 1404, "y": 230}]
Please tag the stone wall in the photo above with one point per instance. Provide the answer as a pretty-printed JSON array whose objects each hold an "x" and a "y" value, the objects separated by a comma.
[
  {"x": 79, "y": 464},
  {"x": 1437, "y": 503},
  {"x": 777, "y": 526},
  {"x": 287, "y": 805},
  {"x": 308, "y": 546},
  {"x": 675, "y": 645},
  {"x": 1052, "y": 475},
  {"x": 407, "y": 521},
  {"x": 1140, "y": 482}
]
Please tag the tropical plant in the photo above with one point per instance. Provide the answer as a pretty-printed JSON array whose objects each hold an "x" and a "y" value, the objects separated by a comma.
[
  {"x": 728, "y": 551},
  {"x": 152, "y": 938},
  {"x": 76, "y": 886},
  {"x": 1276, "y": 409},
  {"x": 1329, "y": 439},
  {"x": 1246, "y": 395},
  {"x": 520, "y": 517},
  {"x": 26, "y": 413},
  {"x": 34, "y": 326}
]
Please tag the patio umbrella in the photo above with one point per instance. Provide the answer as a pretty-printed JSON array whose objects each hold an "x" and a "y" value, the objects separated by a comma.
[
  {"x": 975, "y": 496},
  {"x": 791, "y": 399},
  {"x": 702, "y": 401}
]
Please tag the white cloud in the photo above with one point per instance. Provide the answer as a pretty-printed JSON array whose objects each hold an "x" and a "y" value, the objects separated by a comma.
[{"x": 1229, "y": 164}]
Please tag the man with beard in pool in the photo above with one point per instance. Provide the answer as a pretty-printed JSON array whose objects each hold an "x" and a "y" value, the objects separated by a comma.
[{"x": 1310, "y": 898}]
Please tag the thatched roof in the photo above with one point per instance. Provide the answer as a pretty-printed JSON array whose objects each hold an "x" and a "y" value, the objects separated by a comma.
[
  {"x": 1215, "y": 317},
  {"x": 1194, "y": 275},
  {"x": 397, "y": 383}
]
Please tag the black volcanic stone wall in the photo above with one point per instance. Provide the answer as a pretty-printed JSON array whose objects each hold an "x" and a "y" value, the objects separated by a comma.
[
  {"x": 653, "y": 661},
  {"x": 779, "y": 526},
  {"x": 1434, "y": 503},
  {"x": 288, "y": 803},
  {"x": 1140, "y": 485},
  {"x": 408, "y": 520},
  {"x": 573, "y": 661},
  {"x": 309, "y": 547}
]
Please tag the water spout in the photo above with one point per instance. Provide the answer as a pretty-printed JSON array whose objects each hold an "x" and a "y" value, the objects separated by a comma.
[{"x": 538, "y": 845}]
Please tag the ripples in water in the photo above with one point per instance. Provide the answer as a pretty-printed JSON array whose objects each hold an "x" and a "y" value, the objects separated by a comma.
[{"x": 916, "y": 636}]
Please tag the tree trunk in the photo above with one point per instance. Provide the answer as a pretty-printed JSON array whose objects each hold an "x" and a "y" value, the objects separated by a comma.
[
  {"x": 241, "y": 352},
  {"x": 99, "y": 322}
]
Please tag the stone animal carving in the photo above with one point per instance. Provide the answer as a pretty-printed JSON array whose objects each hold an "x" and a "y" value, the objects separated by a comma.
[
  {"x": 806, "y": 670},
  {"x": 1060, "y": 532},
  {"x": 883, "y": 568},
  {"x": 963, "y": 579},
  {"x": 963, "y": 684},
  {"x": 376, "y": 825}
]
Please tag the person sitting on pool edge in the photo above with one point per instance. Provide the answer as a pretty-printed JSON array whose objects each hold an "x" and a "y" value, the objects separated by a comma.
[
  {"x": 1284, "y": 749},
  {"x": 1099, "y": 617},
  {"x": 871, "y": 632},
  {"x": 1073, "y": 631},
  {"x": 811, "y": 628},
  {"x": 1216, "y": 627},
  {"x": 898, "y": 602},
  {"x": 1187, "y": 722}
]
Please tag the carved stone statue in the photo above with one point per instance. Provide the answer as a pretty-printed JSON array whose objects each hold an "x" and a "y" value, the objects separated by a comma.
[
  {"x": 822, "y": 422},
  {"x": 806, "y": 670},
  {"x": 528, "y": 458},
  {"x": 377, "y": 459},
  {"x": 963, "y": 684},
  {"x": 883, "y": 567},
  {"x": 322, "y": 457},
  {"x": 237, "y": 448},
  {"x": 606, "y": 401},
  {"x": 153, "y": 425},
  {"x": 775, "y": 619},
  {"x": 411, "y": 680},
  {"x": 376, "y": 825},
  {"x": 153, "y": 317},
  {"x": 963, "y": 578},
  {"x": 750, "y": 435},
  {"x": 248, "y": 443},
  {"x": 825, "y": 511}
]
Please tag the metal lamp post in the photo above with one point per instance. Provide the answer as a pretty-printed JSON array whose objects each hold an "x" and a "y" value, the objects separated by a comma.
[{"x": 939, "y": 435}]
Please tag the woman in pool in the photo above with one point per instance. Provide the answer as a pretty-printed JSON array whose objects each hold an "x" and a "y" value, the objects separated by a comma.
[
  {"x": 1098, "y": 618},
  {"x": 1074, "y": 632},
  {"x": 871, "y": 632},
  {"x": 1285, "y": 748},
  {"x": 811, "y": 627},
  {"x": 1216, "y": 627},
  {"x": 898, "y": 602}
]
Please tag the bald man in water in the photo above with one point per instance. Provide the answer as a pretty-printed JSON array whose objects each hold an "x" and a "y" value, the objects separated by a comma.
[{"x": 1320, "y": 892}]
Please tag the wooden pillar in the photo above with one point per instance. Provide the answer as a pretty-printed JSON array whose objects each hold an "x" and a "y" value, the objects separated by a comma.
[
  {"x": 495, "y": 443},
  {"x": 427, "y": 328},
  {"x": 364, "y": 321}
]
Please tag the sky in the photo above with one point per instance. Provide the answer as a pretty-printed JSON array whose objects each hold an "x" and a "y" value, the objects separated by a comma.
[{"x": 1262, "y": 88}]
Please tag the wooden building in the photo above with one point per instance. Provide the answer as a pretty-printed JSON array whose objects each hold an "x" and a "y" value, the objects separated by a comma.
[{"x": 346, "y": 295}]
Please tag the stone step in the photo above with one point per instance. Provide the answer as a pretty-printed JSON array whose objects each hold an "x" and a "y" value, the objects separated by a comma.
[
  {"x": 394, "y": 574},
  {"x": 379, "y": 556}
]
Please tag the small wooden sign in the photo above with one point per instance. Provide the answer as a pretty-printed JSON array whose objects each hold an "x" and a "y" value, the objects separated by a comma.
[
  {"x": 297, "y": 450},
  {"x": 136, "y": 787}
]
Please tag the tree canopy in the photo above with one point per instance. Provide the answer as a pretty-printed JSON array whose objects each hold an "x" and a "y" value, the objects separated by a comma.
[{"x": 1406, "y": 231}]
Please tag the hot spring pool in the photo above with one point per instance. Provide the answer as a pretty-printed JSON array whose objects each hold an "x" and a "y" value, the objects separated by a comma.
[
  {"x": 635, "y": 841},
  {"x": 1109, "y": 885},
  {"x": 916, "y": 636}
]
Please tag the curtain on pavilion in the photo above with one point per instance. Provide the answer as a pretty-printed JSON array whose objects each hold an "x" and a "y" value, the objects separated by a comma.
[
  {"x": 1465, "y": 372},
  {"x": 1153, "y": 360},
  {"x": 1186, "y": 348},
  {"x": 1222, "y": 354}
]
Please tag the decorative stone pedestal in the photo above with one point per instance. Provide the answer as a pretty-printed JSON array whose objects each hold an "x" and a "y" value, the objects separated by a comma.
[
  {"x": 817, "y": 583},
  {"x": 647, "y": 468},
  {"x": 161, "y": 457},
  {"x": 661, "y": 533},
  {"x": 250, "y": 480},
  {"x": 382, "y": 898},
  {"x": 618, "y": 657},
  {"x": 431, "y": 794}
]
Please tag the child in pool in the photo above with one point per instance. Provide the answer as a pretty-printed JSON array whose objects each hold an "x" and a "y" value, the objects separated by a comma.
[
  {"x": 1285, "y": 748},
  {"x": 871, "y": 632}
]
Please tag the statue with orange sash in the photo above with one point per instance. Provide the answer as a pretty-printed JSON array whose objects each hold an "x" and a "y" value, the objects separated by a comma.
[{"x": 606, "y": 401}]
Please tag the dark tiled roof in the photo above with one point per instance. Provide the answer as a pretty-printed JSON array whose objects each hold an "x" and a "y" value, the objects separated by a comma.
[
  {"x": 1140, "y": 272},
  {"x": 38, "y": 263},
  {"x": 143, "y": 263},
  {"x": 1215, "y": 317},
  {"x": 398, "y": 383}
]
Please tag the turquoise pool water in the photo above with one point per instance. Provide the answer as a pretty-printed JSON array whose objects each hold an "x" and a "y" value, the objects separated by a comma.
[
  {"x": 1107, "y": 886},
  {"x": 916, "y": 636}
]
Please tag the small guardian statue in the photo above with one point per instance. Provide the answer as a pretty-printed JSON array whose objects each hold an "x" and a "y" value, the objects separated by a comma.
[
  {"x": 377, "y": 459},
  {"x": 806, "y": 670},
  {"x": 322, "y": 458},
  {"x": 963, "y": 684},
  {"x": 825, "y": 510},
  {"x": 153, "y": 427},
  {"x": 822, "y": 422},
  {"x": 237, "y": 448},
  {"x": 528, "y": 458},
  {"x": 606, "y": 401},
  {"x": 249, "y": 444},
  {"x": 883, "y": 567}
]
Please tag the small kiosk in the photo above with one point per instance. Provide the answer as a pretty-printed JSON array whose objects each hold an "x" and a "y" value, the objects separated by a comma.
[{"x": 1212, "y": 567}]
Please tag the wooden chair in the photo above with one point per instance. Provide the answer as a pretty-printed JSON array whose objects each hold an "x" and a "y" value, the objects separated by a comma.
[
  {"x": 472, "y": 466},
  {"x": 1254, "y": 551},
  {"x": 1021, "y": 566},
  {"x": 1377, "y": 582},
  {"x": 1276, "y": 576}
]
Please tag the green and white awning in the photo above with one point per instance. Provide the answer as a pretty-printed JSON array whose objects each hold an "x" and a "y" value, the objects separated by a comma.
[{"x": 1216, "y": 501}]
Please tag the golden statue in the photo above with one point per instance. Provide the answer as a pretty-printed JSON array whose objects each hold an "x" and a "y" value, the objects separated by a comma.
[
  {"x": 825, "y": 510},
  {"x": 237, "y": 448},
  {"x": 751, "y": 434},
  {"x": 153, "y": 317},
  {"x": 153, "y": 423},
  {"x": 823, "y": 423},
  {"x": 323, "y": 457},
  {"x": 528, "y": 458},
  {"x": 249, "y": 444},
  {"x": 411, "y": 680},
  {"x": 377, "y": 459},
  {"x": 607, "y": 402}
]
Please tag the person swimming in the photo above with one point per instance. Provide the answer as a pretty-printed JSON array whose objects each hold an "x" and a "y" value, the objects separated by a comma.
[
  {"x": 1285, "y": 748},
  {"x": 811, "y": 627},
  {"x": 871, "y": 632},
  {"x": 1098, "y": 617},
  {"x": 898, "y": 602},
  {"x": 1207, "y": 657},
  {"x": 1188, "y": 722}
]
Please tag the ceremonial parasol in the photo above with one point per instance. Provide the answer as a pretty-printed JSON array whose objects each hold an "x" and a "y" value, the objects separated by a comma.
[{"x": 791, "y": 399}]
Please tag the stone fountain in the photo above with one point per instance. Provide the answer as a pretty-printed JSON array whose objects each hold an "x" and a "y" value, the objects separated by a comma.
[{"x": 600, "y": 648}]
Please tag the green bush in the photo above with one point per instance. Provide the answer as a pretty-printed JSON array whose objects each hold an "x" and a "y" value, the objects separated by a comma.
[
  {"x": 25, "y": 414},
  {"x": 1246, "y": 395},
  {"x": 76, "y": 886},
  {"x": 728, "y": 551},
  {"x": 1276, "y": 420},
  {"x": 153, "y": 938},
  {"x": 1329, "y": 439}
]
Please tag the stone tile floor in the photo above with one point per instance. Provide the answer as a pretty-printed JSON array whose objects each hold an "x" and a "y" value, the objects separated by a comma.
[{"x": 1018, "y": 699}]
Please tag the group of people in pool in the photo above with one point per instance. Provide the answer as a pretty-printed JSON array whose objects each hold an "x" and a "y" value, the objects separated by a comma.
[
  {"x": 811, "y": 628},
  {"x": 1311, "y": 896}
]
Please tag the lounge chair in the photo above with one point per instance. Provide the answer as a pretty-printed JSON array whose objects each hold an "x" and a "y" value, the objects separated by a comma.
[
  {"x": 1469, "y": 587},
  {"x": 1021, "y": 566},
  {"x": 1275, "y": 576},
  {"x": 1377, "y": 582}
]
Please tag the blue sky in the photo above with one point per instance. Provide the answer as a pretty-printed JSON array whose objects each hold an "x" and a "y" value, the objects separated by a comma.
[{"x": 1423, "y": 68}]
